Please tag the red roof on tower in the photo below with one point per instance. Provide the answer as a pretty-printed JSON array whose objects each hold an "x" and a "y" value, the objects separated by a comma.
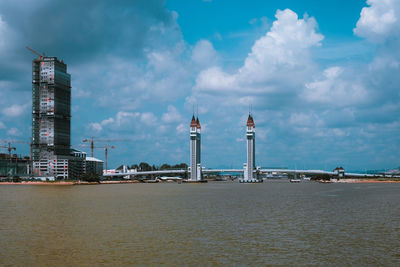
[
  {"x": 193, "y": 123},
  {"x": 198, "y": 123},
  {"x": 250, "y": 122}
]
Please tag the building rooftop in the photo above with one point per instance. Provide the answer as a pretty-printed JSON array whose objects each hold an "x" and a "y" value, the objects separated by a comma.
[{"x": 93, "y": 159}]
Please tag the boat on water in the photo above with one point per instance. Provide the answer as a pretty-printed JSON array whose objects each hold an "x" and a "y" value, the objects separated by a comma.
[{"x": 295, "y": 180}]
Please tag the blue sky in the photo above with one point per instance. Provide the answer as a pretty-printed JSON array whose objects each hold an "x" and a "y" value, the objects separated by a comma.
[{"x": 321, "y": 76}]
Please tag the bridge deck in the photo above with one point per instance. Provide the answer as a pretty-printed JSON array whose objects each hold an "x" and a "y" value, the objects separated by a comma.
[{"x": 288, "y": 171}]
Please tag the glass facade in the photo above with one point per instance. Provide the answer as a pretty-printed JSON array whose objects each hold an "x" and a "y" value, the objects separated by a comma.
[
  {"x": 51, "y": 108},
  {"x": 51, "y": 121},
  {"x": 15, "y": 166}
]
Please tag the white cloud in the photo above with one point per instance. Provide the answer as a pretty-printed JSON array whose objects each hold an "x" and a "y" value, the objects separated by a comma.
[
  {"x": 279, "y": 60},
  {"x": 204, "y": 54},
  {"x": 3, "y": 37},
  {"x": 291, "y": 95},
  {"x": 262, "y": 134},
  {"x": 14, "y": 132},
  {"x": 263, "y": 21},
  {"x": 161, "y": 61},
  {"x": 163, "y": 129},
  {"x": 148, "y": 118},
  {"x": 172, "y": 115},
  {"x": 123, "y": 118},
  {"x": 339, "y": 132},
  {"x": 14, "y": 110},
  {"x": 284, "y": 47},
  {"x": 2, "y": 125},
  {"x": 304, "y": 119},
  {"x": 98, "y": 127},
  {"x": 379, "y": 21},
  {"x": 6, "y": 36},
  {"x": 182, "y": 128},
  {"x": 77, "y": 92},
  {"x": 162, "y": 76},
  {"x": 107, "y": 121},
  {"x": 95, "y": 126},
  {"x": 335, "y": 88},
  {"x": 215, "y": 79}
]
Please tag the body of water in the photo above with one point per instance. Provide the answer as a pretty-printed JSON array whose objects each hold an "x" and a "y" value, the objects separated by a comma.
[{"x": 276, "y": 223}]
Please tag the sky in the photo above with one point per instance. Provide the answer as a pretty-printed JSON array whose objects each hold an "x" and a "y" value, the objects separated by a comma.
[{"x": 321, "y": 78}]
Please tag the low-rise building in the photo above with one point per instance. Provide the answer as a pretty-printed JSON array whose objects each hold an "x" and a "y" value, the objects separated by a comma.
[
  {"x": 14, "y": 166},
  {"x": 94, "y": 166},
  {"x": 60, "y": 167}
]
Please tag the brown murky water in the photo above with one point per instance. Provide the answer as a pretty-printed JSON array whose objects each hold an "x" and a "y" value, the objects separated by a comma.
[{"x": 200, "y": 224}]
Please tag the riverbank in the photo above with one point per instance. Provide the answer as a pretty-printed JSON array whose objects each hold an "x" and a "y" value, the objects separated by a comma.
[
  {"x": 68, "y": 182},
  {"x": 363, "y": 181}
]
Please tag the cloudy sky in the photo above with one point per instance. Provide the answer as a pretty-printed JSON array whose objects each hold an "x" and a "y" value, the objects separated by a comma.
[{"x": 322, "y": 77}]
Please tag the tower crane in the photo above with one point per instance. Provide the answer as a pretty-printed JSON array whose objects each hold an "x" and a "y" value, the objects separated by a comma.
[
  {"x": 33, "y": 51},
  {"x": 9, "y": 148},
  {"x": 106, "y": 147},
  {"x": 92, "y": 140}
]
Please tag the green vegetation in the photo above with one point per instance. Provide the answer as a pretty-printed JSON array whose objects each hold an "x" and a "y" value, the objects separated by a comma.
[{"x": 144, "y": 166}]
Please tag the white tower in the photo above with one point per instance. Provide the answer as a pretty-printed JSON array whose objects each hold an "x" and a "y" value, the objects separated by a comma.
[
  {"x": 195, "y": 150},
  {"x": 198, "y": 150},
  {"x": 251, "y": 139}
]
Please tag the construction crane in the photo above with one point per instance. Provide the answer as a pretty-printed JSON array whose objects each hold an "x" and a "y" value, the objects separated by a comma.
[
  {"x": 33, "y": 51},
  {"x": 106, "y": 147},
  {"x": 9, "y": 148},
  {"x": 92, "y": 140}
]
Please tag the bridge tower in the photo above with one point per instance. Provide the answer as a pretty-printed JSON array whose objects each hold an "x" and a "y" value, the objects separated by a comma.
[
  {"x": 250, "y": 165},
  {"x": 195, "y": 150}
]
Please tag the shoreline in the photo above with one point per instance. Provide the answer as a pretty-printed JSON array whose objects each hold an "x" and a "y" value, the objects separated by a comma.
[
  {"x": 363, "y": 181},
  {"x": 64, "y": 183}
]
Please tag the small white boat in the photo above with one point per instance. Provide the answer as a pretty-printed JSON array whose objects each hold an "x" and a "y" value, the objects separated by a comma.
[{"x": 295, "y": 180}]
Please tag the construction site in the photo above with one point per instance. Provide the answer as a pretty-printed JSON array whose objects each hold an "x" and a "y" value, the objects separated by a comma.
[{"x": 51, "y": 156}]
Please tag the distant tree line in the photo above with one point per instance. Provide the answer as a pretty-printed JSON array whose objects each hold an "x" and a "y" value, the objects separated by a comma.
[{"x": 144, "y": 166}]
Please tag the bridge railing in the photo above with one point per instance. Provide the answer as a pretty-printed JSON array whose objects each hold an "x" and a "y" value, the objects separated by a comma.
[{"x": 182, "y": 171}]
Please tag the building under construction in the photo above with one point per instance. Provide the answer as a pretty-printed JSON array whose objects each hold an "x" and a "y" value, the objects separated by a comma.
[
  {"x": 51, "y": 121},
  {"x": 13, "y": 166}
]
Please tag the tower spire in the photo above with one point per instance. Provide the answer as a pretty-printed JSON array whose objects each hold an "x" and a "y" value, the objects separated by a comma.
[
  {"x": 250, "y": 121},
  {"x": 197, "y": 117},
  {"x": 193, "y": 122},
  {"x": 195, "y": 149},
  {"x": 249, "y": 166}
]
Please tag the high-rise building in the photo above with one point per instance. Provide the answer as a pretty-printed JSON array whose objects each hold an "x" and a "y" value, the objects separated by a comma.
[
  {"x": 250, "y": 166},
  {"x": 51, "y": 121},
  {"x": 195, "y": 150}
]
